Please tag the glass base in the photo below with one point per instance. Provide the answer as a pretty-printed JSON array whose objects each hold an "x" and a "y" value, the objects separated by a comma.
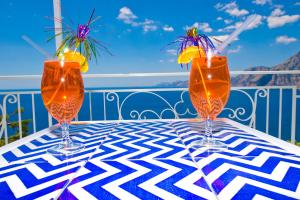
[
  {"x": 62, "y": 149},
  {"x": 211, "y": 144}
]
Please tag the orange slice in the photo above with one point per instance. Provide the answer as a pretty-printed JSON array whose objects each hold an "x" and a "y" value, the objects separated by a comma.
[
  {"x": 189, "y": 53},
  {"x": 76, "y": 56}
]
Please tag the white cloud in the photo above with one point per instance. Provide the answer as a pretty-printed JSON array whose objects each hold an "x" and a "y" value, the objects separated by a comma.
[
  {"x": 230, "y": 27},
  {"x": 227, "y": 21},
  {"x": 278, "y": 6},
  {"x": 284, "y": 39},
  {"x": 127, "y": 16},
  {"x": 297, "y": 4},
  {"x": 205, "y": 27},
  {"x": 236, "y": 50},
  {"x": 149, "y": 25},
  {"x": 218, "y": 6},
  {"x": 168, "y": 28},
  {"x": 219, "y": 18},
  {"x": 232, "y": 9},
  {"x": 172, "y": 52},
  {"x": 277, "y": 12},
  {"x": 278, "y": 19},
  {"x": 258, "y": 21},
  {"x": 202, "y": 27},
  {"x": 261, "y": 2},
  {"x": 171, "y": 60},
  {"x": 161, "y": 61}
]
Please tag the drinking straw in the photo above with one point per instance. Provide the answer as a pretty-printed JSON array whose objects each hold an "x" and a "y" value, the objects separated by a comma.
[
  {"x": 36, "y": 46},
  {"x": 221, "y": 47},
  {"x": 234, "y": 35}
]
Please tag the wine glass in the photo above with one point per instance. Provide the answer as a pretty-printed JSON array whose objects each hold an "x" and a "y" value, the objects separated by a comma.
[
  {"x": 209, "y": 88},
  {"x": 62, "y": 93}
]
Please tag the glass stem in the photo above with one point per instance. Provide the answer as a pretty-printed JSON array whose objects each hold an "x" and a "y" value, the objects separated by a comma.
[
  {"x": 208, "y": 129},
  {"x": 66, "y": 140}
]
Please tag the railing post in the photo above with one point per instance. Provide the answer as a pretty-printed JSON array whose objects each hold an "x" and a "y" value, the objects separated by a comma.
[
  {"x": 3, "y": 124},
  {"x": 293, "y": 124},
  {"x": 104, "y": 106},
  {"x": 90, "y": 105},
  {"x": 33, "y": 112},
  {"x": 19, "y": 117},
  {"x": 49, "y": 120},
  {"x": 267, "y": 111},
  {"x": 280, "y": 114}
]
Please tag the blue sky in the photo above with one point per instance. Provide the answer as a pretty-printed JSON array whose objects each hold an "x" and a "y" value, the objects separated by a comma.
[{"x": 136, "y": 31}]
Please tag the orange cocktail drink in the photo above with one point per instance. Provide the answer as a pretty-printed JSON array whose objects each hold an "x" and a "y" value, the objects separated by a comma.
[
  {"x": 209, "y": 85},
  {"x": 62, "y": 89}
]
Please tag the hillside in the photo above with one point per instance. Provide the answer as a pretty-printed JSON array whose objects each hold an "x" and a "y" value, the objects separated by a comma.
[{"x": 293, "y": 63}]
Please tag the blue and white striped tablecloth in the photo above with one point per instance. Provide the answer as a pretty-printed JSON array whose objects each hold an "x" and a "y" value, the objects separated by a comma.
[{"x": 151, "y": 160}]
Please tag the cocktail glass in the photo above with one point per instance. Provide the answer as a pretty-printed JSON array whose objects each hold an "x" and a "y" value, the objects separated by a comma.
[
  {"x": 62, "y": 93},
  {"x": 209, "y": 88}
]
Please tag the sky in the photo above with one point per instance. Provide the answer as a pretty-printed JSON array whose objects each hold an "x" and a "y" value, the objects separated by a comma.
[{"x": 138, "y": 32}]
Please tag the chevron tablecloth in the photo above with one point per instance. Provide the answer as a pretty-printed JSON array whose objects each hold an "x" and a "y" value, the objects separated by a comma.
[{"x": 151, "y": 160}]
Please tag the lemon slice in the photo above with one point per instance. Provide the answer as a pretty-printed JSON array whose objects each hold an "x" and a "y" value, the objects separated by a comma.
[
  {"x": 189, "y": 53},
  {"x": 76, "y": 56}
]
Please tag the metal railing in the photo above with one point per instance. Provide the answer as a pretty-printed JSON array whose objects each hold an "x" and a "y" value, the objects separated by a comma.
[{"x": 253, "y": 110}]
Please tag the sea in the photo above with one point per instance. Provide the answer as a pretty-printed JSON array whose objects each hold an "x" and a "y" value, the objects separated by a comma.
[{"x": 105, "y": 106}]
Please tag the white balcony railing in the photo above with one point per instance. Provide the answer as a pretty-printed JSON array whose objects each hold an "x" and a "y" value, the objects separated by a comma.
[{"x": 271, "y": 109}]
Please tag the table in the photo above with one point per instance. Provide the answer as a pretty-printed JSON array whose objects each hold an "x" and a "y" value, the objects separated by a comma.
[{"x": 151, "y": 160}]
